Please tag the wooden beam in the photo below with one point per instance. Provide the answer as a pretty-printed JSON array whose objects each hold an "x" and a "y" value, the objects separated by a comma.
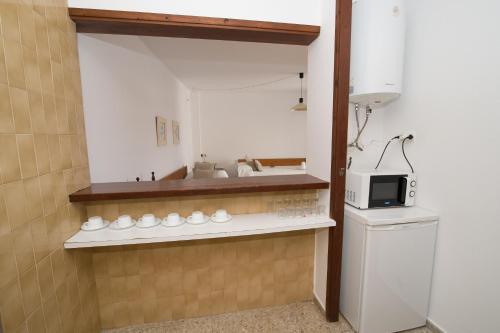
[
  {"x": 277, "y": 161},
  {"x": 167, "y": 25},
  {"x": 341, "y": 74}
]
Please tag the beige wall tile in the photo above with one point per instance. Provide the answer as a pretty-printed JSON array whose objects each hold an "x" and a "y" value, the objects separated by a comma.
[
  {"x": 23, "y": 248},
  {"x": 7, "y": 261},
  {"x": 42, "y": 38},
  {"x": 31, "y": 70},
  {"x": 49, "y": 108},
  {"x": 30, "y": 292},
  {"x": 76, "y": 160},
  {"x": 51, "y": 314},
  {"x": 45, "y": 278},
  {"x": 60, "y": 194},
  {"x": 22, "y": 329},
  {"x": 4, "y": 222},
  {"x": 198, "y": 278},
  {"x": 54, "y": 46},
  {"x": 21, "y": 110},
  {"x": 9, "y": 21},
  {"x": 36, "y": 322},
  {"x": 15, "y": 201},
  {"x": 33, "y": 198},
  {"x": 26, "y": 148},
  {"x": 10, "y": 169},
  {"x": 58, "y": 267},
  {"x": 11, "y": 305},
  {"x": 65, "y": 142},
  {"x": 42, "y": 153},
  {"x": 14, "y": 63},
  {"x": 35, "y": 216},
  {"x": 37, "y": 112},
  {"x": 6, "y": 117},
  {"x": 55, "y": 152},
  {"x": 27, "y": 26},
  {"x": 53, "y": 231},
  {"x": 40, "y": 239},
  {"x": 70, "y": 108},
  {"x": 46, "y": 75},
  {"x": 3, "y": 67},
  {"x": 47, "y": 187}
]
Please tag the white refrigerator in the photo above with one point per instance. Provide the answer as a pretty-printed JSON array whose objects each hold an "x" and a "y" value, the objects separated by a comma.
[{"x": 387, "y": 262}]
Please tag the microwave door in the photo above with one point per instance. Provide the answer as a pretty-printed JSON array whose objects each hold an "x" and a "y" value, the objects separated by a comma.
[{"x": 387, "y": 191}]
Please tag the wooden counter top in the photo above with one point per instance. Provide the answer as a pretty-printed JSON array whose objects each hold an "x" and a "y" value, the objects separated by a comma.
[{"x": 188, "y": 187}]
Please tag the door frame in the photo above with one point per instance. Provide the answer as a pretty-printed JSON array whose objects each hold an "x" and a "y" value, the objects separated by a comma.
[{"x": 341, "y": 72}]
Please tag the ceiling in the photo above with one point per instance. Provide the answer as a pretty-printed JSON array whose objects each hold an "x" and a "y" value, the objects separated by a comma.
[{"x": 218, "y": 65}]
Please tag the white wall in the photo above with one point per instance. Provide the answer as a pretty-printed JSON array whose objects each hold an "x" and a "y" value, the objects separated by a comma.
[
  {"x": 450, "y": 101},
  {"x": 254, "y": 123},
  {"x": 319, "y": 127},
  {"x": 124, "y": 88},
  {"x": 297, "y": 11}
]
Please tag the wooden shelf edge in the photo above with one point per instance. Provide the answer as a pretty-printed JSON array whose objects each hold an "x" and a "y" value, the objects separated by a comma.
[
  {"x": 193, "y": 187},
  {"x": 168, "y": 25}
]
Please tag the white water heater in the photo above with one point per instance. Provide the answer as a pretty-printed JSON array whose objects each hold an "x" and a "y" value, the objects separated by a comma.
[{"x": 377, "y": 51}]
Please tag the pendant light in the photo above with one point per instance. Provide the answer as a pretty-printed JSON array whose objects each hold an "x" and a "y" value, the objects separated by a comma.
[{"x": 301, "y": 106}]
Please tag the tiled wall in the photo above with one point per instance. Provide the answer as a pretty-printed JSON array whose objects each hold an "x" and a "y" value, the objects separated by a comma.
[
  {"x": 43, "y": 157},
  {"x": 152, "y": 283}
]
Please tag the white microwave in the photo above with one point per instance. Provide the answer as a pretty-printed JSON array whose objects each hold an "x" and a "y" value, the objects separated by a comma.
[{"x": 384, "y": 188}]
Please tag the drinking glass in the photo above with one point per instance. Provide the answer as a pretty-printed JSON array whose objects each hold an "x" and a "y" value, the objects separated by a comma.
[
  {"x": 308, "y": 207},
  {"x": 271, "y": 207},
  {"x": 320, "y": 210}
]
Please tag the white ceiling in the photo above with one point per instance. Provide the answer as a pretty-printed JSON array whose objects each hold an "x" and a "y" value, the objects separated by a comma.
[
  {"x": 221, "y": 65},
  {"x": 209, "y": 64}
]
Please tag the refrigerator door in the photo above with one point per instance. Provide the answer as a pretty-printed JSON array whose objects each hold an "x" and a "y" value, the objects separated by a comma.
[{"x": 397, "y": 276}]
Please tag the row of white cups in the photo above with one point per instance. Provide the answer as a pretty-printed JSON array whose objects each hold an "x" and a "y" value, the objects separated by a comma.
[{"x": 150, "y": 220}]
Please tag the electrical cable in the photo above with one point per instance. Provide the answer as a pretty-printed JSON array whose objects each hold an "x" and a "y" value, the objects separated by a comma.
[
  {"x": 385, "y": 148},
  {"x": 409, "y": 137},
  {"x": 249, "y": 86}
]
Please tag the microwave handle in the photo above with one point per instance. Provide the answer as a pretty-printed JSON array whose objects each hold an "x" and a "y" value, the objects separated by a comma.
[{"x": 403, "y": 184}]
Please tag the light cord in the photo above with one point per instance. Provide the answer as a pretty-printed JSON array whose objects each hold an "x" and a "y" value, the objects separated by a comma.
[{"x": 251, "y": 86}]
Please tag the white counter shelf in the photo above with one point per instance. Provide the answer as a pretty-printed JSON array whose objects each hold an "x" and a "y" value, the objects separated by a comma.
[{"x": 240, "y": 225}]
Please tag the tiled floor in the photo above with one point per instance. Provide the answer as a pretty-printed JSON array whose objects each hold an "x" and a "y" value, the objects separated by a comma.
[{"x": 297, "y": 317}]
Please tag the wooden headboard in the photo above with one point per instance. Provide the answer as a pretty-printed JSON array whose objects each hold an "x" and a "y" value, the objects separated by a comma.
[
  {"x": 278, "y": 161},
  {"x": 180, "y": 173}
]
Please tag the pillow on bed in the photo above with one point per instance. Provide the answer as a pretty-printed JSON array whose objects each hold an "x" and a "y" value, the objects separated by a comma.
[
  {"x": 258, "y": 165},
  {"x": 232, "y": 170},
  {"x": 251, "y": 163},
  {"x": 244, "y": 170}
]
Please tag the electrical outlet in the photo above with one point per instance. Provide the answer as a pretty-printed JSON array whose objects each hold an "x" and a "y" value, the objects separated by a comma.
[{"x": 404, "y": 135}]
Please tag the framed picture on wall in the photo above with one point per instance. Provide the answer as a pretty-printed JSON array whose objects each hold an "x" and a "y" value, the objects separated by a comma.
[
  {"x": 161, "y": 131},
  {"x": 176, "y": 132}
]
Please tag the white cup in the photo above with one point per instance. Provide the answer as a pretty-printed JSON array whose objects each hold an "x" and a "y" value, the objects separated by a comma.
[
  {"x": 173, "y": 218},
  {"x": 124, "y": 221},
  {"x": 148, "y": 219},
  {"x": 95, "y": 222},
  {"x": 220, "y": 214},
  {"x": 303, "y": 165},
  {"x": 197, "y": 217}
]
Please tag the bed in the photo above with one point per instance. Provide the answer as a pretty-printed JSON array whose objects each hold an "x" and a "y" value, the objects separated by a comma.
[{"x": 272, "y": 167}]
